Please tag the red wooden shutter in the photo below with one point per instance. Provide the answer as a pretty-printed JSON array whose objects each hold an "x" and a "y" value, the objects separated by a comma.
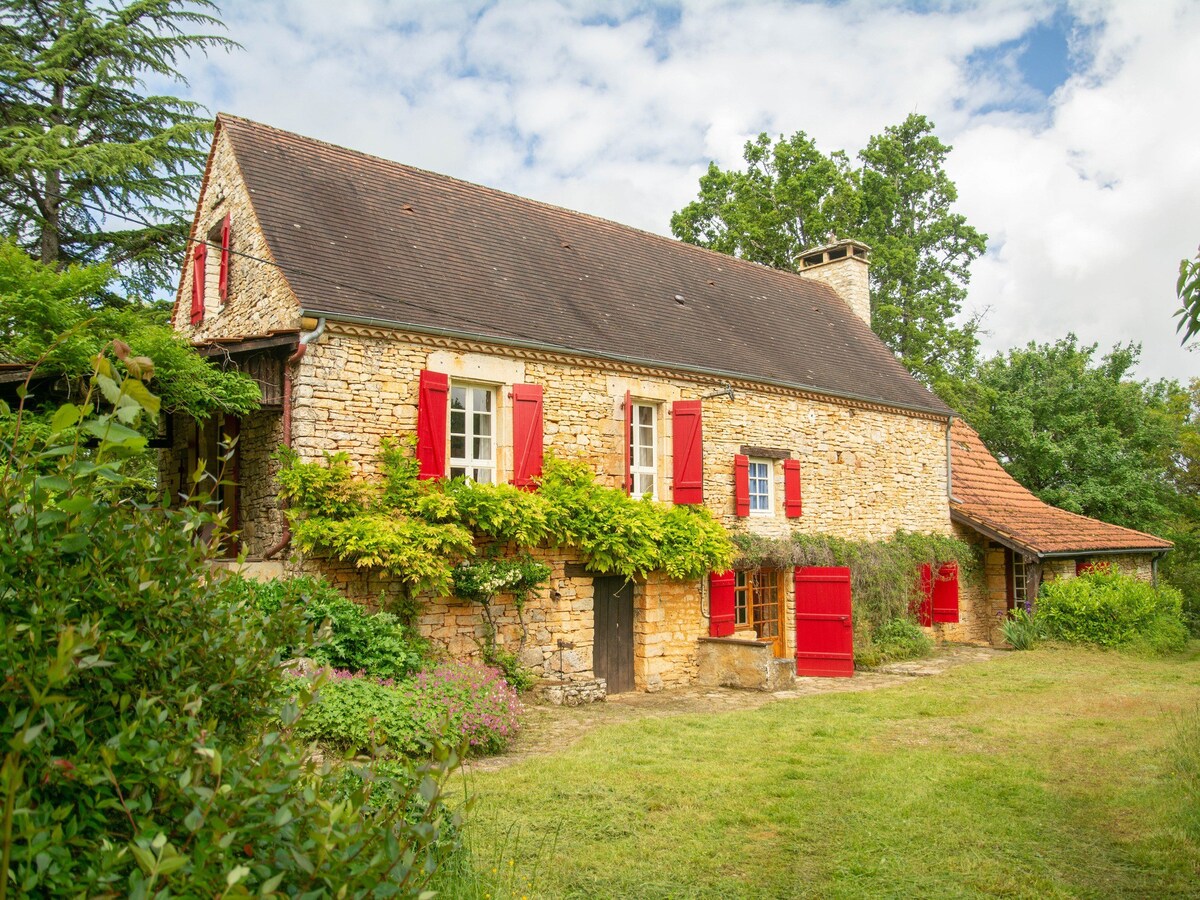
[
  {"x": 432, "y": 399},
  {"x": 223, "y": 280},
  {"x": 824, "y": 622},
  {"x": 792, "y": 506},
  {"x": 923, "y": 600},
  {"x": 688, "y": 447},
  {"x": 945, "y": 594},
  {"x": 722, "y": 587},
  {"x": 198, "y": 257},
  {"x": 1083, "y": 566},
  {"x": 527, "y": 434},
  {"x": 628, "y": 443},
  {"x": 741, "y": 485}
]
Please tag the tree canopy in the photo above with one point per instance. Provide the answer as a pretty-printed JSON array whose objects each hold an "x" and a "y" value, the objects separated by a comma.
[
  {"x": 791, "y": 197},
  {"x": 84, "y": 148},
  {"x": 1080, "y": 432},
  {"x": 53, "y": 318}
]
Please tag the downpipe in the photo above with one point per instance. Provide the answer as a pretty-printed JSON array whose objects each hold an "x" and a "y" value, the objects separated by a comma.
[{"x": 289, "y": 367}]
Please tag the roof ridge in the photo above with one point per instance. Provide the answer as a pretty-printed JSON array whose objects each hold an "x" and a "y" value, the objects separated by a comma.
[{"x": 786, "y": 274}]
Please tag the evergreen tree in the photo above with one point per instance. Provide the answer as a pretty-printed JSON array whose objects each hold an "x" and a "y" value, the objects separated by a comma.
[{"x": 83, "y": 144}]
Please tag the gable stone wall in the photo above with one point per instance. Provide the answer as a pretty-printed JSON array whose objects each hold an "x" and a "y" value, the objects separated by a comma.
[{"x": 259, "y": 299}]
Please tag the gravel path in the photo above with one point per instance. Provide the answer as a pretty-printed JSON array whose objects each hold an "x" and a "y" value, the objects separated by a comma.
[{"x": 551, "y": 729}]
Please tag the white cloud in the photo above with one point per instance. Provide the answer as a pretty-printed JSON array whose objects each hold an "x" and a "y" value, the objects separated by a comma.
[{"x": 1090, "y": 201}]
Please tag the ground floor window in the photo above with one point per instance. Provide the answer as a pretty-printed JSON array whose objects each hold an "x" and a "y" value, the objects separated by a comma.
[
  {"x": 758, "y": 603},
  {"x": 1016, "y": 577}
]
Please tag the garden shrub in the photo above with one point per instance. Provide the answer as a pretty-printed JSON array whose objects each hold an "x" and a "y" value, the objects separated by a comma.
[
  {"x": 140, "y": 754},
  {"x": 358, "y": 714},
  {"x": 1109, "y": 609},
  {"x": 344, "y": 634},
  {"x": 893, "y": 641}
]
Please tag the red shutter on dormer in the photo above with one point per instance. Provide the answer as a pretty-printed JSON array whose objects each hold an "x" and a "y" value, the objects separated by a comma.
[
  {"x": 944, "y": 600},
  {"x": 628, "y": 442},
  {"x": 223, "y": 280},
  {"x": 923, "y": 601},
  {"x": 688, "y": 448},
  {"x": 792, "y": 505},
  {"x": 741, "y": 485},
  {"x": 432, "y": 400},
  {"x": 527, "y": 434},
  {"x": 198, "y": 257},
  {"x": 721, "y": 590}
]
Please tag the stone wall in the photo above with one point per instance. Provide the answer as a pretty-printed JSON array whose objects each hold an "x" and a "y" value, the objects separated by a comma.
[
  {"x": 259, "y": 299},
  {"x": 865, "y": 472}
]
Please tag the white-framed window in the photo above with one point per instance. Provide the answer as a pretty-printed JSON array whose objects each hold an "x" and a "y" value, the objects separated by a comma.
[
  {"x": 762, "y": 500},
  {"x": 473, "y": 432},
  {"x": 643, "y": 450}
]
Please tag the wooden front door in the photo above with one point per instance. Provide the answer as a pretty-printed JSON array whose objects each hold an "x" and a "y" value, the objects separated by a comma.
[
  {"x": 612, "y": 650},
  {"x": 824, "y": 632}
]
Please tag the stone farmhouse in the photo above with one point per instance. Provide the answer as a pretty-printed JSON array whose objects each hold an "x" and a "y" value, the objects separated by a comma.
[{"x": 371, "y": 299}]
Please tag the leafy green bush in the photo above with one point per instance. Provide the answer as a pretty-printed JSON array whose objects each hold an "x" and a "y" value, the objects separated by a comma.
[
  {"x": 365, "y": 715},
  {"x": 1109, "y": 609},
  {"x": 418, "y": 530},
  {"x": 1023, "y": 630},
  {"x": 893, "y": 641},
  {"x": 344, "y": 634},
  {"x": 140, "y": 755}
]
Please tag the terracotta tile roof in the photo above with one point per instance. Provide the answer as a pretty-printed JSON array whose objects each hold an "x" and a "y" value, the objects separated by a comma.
[
  {"x": 988, "y": 497},
  {"x": 360, "y": 237}
]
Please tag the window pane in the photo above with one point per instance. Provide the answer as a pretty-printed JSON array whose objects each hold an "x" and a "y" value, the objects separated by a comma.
[
  {"x": 457, "y": 472},
  {"x": 458, "y": 446},
  {"x": 482, "y": 447},
  {"x": 482, "y": 424},
  {"x": 458, "y": 398},
  {"x": 646, "y": 457},
  {"x": 483, "y": 476},
  {"x": 645, "y": 416},
  {"x": 483, "y": 399},
  {"x": 458, "y": 421}
]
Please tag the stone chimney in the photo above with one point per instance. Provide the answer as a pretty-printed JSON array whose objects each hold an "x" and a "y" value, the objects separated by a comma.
[{"x": 844, "y": 266}]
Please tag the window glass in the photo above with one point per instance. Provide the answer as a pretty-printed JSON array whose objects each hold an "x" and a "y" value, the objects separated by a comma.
[
  {"x": 643, "y": 450},
  {"x": 760, "y": 487},
  {"x": 472, "y": 452}
]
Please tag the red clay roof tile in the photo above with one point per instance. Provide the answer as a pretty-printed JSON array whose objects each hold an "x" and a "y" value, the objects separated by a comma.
[{"x": 987, "y": 496}]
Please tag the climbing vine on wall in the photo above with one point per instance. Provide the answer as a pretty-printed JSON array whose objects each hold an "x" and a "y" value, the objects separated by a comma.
[
  {"x": 883, "y": 574},
  {"x": 418, "y": 531}
]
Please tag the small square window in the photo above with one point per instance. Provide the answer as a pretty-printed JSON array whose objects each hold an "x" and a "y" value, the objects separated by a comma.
[{"x": 761, "y": 487}]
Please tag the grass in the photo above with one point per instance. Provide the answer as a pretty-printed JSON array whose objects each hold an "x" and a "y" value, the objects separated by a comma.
[{"x": 1052, "y": 773}]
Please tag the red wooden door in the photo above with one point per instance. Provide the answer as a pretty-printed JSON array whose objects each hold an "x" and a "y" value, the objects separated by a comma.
[{"x": 824, "y": 632}]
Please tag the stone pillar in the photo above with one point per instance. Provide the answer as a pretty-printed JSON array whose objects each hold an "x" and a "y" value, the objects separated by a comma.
[{"x": 843, "y": 266}]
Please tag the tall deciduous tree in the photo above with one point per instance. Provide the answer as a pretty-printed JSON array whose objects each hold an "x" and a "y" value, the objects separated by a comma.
[
  {"x": 1081, "y": 433},
  {"x": 921, "y": 249},
  {"x": 83, "y": 143},
  {"x": 791, "y": 197}
]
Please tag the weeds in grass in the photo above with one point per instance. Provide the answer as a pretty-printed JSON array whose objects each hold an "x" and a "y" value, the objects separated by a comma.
[
  {"x": 503, "y": 868},
  {"x": 1185, "y": 760}
]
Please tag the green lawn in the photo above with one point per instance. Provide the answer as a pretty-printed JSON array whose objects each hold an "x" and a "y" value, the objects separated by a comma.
[{"x": 1042, "y": 774}]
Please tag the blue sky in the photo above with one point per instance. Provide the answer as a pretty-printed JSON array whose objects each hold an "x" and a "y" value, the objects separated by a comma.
[{"x": 1074, "y": 141}]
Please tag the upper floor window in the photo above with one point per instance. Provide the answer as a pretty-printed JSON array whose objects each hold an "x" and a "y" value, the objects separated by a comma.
[
  {"x": 643, "y": 450},
  {"x": 472, "y": 432},
  {"x": 761, "y": 500}
]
